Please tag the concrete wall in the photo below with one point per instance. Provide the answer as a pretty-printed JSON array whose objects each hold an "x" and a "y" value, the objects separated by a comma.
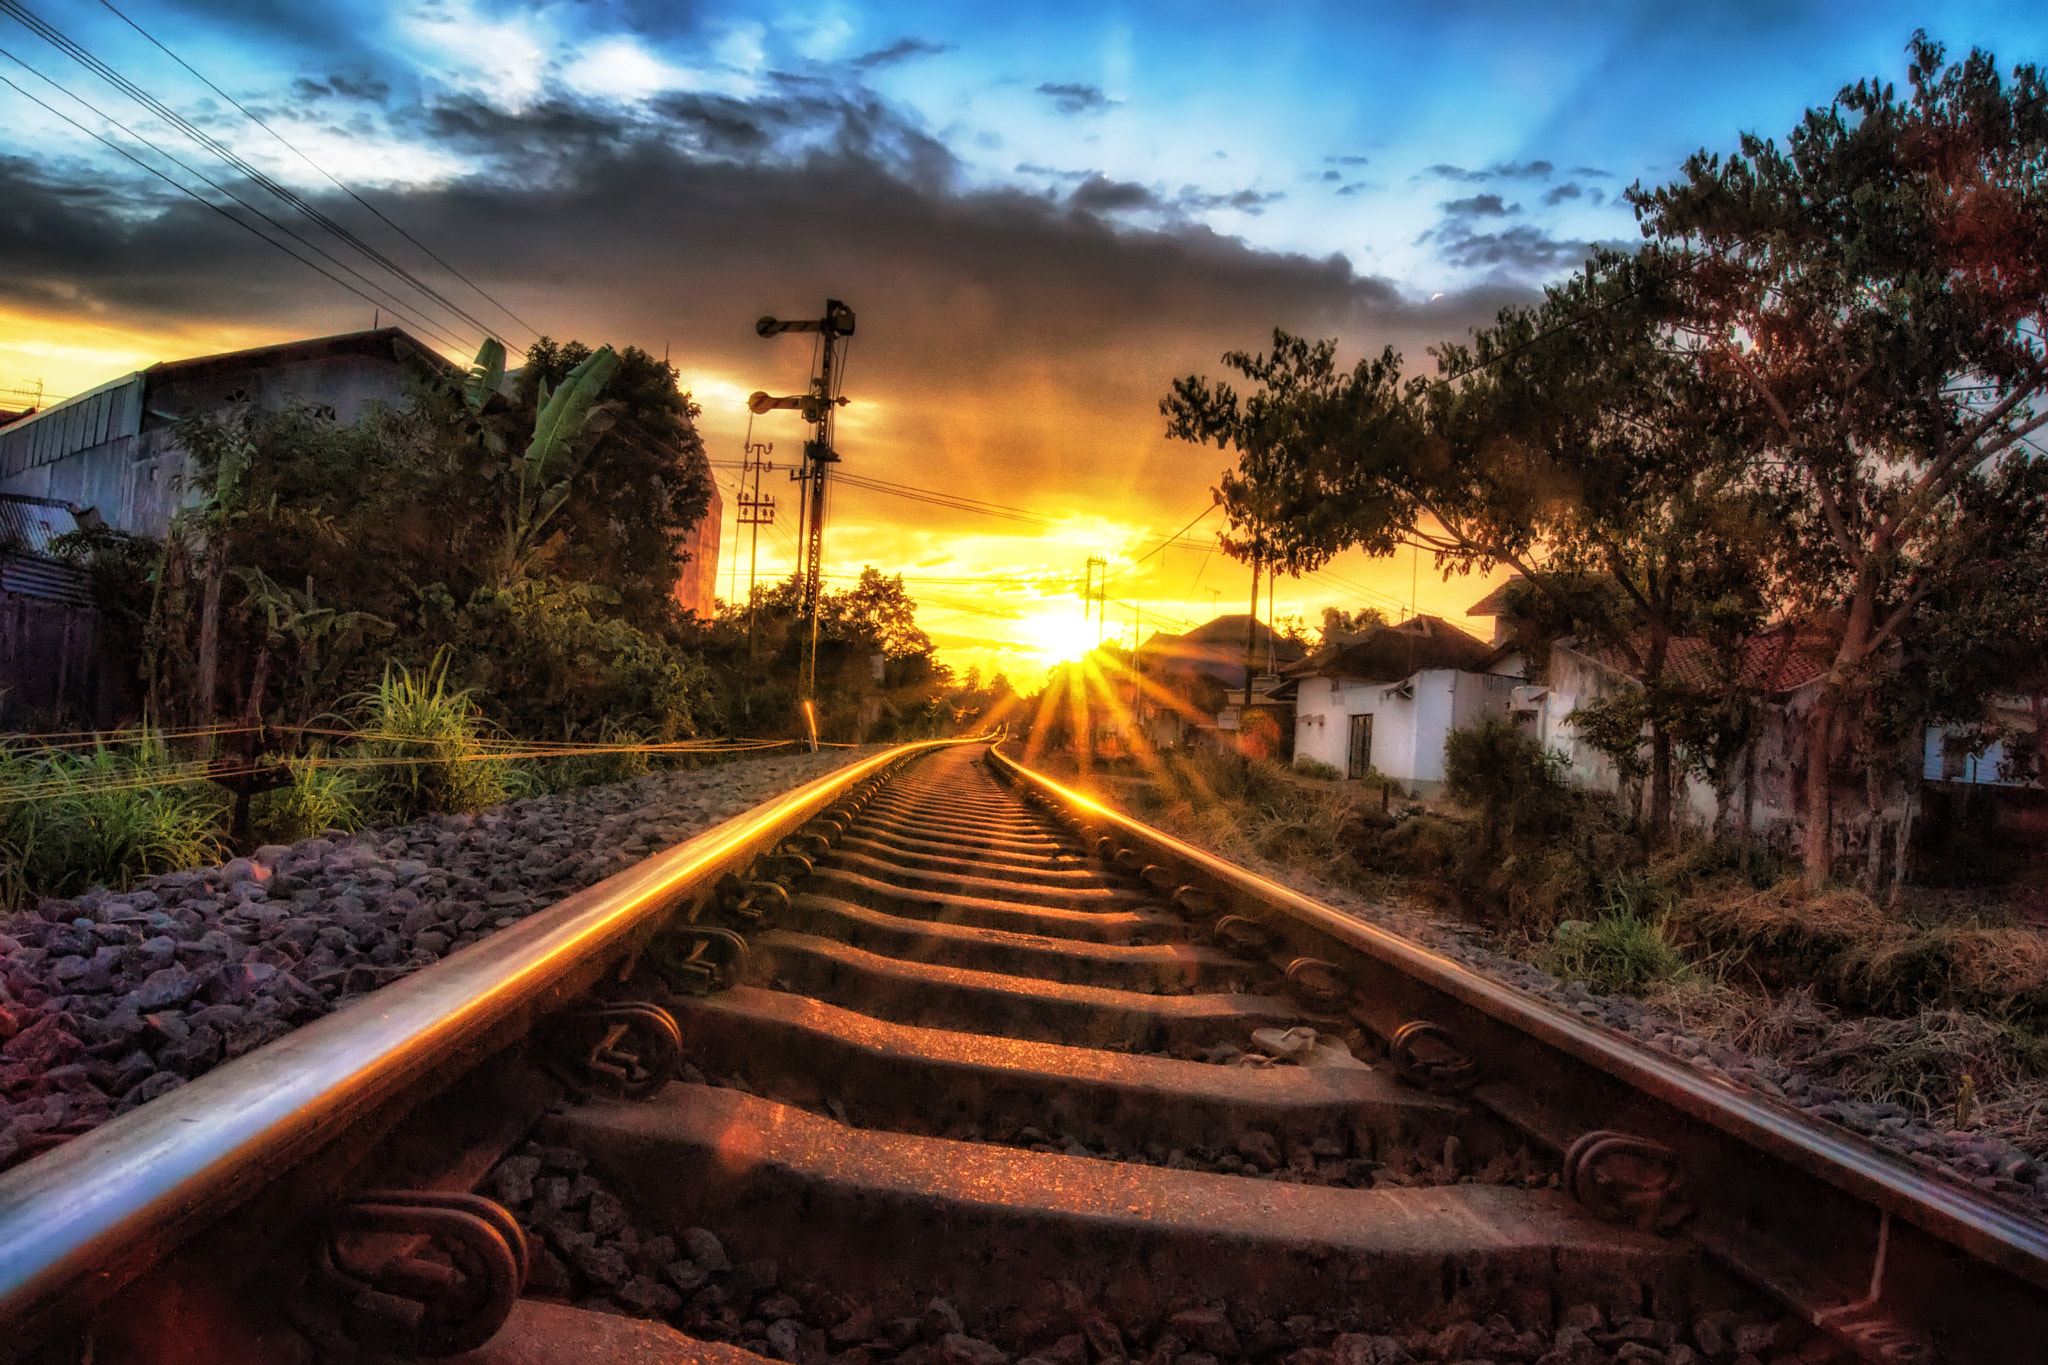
[{"x": 1408, "y": 732}]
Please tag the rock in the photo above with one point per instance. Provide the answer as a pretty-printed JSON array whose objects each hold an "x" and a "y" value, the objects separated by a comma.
[
  {"x": 1587, "y": 1317},
  {"x": 43, "y": 1044},
  {"x": 605, "y": 1265},
  {"x": 706, "y": 1250},
  {"x": 956, "y": 1348},
  {"x": 607, "y": 1214},
  {"x": 941, "y": 1320},
  {"x": 172, "y": 985},
  {"x": 546, "y": 1276},
  {"x": 687, "y": 1276},
  {"x": 648, "y": 1298},
  {"x": 751, "y": 1280},
  {"x": 1071, "y": 1349},
  {"x": 1208, "y": 1329},
  {"x": 1755, "y": 1338},
  {"x": 432, "y": 941},
  {"x": 513, "y": 1180},
  {"x": 1260, "y": 1149},
  {"x": 154, "y": 1087},
  {"x": 652, "y": 1254},
  {"x": 194, "y": 1054},
  {"x": 783, "y": 1336}
]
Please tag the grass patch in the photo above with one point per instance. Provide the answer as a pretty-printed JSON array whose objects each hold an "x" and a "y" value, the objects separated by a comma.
[
  {"x": 1624, "y": 951},
  {"x": 1317, "y": 769},
  {"x": 318, "y": 798},
  {"x": 108, "y": 817},
  {"x": 428, "y": 738}
]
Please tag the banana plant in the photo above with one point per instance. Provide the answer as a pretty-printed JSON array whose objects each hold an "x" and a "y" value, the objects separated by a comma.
[
  {"x": 486, "y": 373},
  {"x": 542, "y": 477}
]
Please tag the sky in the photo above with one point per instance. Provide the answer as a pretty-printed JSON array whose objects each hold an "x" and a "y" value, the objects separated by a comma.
[{"x": 1041, "y": 214}]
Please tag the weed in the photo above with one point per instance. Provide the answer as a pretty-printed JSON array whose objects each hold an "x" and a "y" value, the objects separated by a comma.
[
  {"x": 123, "y": 811},
  {"x": 428, "y": 737},
  {"x": 319, "y": 797},
  {"x": 1316, "y": 768},
  {"x": 1620, "y": 953}
]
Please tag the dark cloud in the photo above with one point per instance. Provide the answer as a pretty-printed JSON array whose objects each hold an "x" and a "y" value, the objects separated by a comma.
[
  {"x": 1347, "y": 160},
  {"x": 1355, "y": 187},
  {"x": 994, "y": 325},
  {"x": 1592, "y": 173},
  {"x": 1330, "y": 175},
  {"x": 1029, "y": 168},
  {"x": 1077, "y": 99},
  {"x": 902, "y": 50},
  {"x": 1505, "y": 170},
  {"x": 1568, "y": 190},
  {"x": 1520, "y": 253},
  {"x": 356, "y": 87},
  {"x": 1246, "y": 201},
  {"x": 1481, "y": 206},
  {"x": 1099, "y": 194}
]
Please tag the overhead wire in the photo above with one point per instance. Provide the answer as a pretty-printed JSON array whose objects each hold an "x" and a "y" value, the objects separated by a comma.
[
  {"x": 345, "y": 189},
  {"x": 78, "y": 53},
  {"x": 194, "y": 194}
]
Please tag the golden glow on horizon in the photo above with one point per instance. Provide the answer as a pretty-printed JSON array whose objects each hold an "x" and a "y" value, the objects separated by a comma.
[{"x": 1000, "y": 595}]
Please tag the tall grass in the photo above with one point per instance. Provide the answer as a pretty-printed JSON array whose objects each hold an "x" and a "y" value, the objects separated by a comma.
[
  {"x": 318, "y": 798},
  {"x": 428, "y": 739},
  {"x": 108, "y": 817},
  {"x": 1625, "y": 950}
]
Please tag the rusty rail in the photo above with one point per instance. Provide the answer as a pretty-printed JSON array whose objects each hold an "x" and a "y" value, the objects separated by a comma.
[
  {"x": 81, "y": 1222},
  {"x": 1886, "y": 1257}
]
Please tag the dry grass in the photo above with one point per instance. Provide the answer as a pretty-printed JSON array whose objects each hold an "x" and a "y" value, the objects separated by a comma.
[{"x": 1858, "y": 955}]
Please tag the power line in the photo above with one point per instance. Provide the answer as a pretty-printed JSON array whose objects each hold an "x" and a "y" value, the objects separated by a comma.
[
  {"x": 431, "y": 253},
  {"x": 29, "y": 20},
  {"x": 1164, "y": 543},
  {"x": 193, "y": 194}
]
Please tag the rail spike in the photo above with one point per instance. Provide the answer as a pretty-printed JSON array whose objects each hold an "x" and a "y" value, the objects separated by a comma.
[
  {"x": 1437, "y": 1066},
  {"x": 406, "y": 1303},
  {"x": 1621, "y": 1178},
  {"x": 630, "y": 1049}
]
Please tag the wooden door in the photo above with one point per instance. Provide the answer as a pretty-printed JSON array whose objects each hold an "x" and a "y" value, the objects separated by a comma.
[{"x": 1361, "y": 746}]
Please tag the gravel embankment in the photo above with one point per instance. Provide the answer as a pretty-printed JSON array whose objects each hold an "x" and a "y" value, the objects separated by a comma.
[
  {"x": 110, "y": 1000},
  {"x": 1982, "y": 1162}
]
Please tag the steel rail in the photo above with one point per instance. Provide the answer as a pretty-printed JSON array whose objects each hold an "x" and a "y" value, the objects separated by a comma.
[
  {"x": 1983, "y": 1228},
  {"x": 83, "y": 1220}
]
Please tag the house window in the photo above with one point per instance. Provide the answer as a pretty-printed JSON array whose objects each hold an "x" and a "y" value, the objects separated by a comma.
[
  {"x": 1361, "y": 746},
  {"x": 1955, "y": 758}
]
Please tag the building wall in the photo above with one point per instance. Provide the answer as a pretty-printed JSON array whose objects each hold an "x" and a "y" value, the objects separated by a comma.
[
  {"x": 697, "y": 584},
  {"x": 112, "y": 449},
  {"x": 1408, "y": 732}
]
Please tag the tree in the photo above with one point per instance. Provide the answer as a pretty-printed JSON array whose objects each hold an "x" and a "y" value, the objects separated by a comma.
[
  {"x": 1871, "y": 301},
  {"x": 1339, "y": 623},
  {"x": 1571, "y": 441}
]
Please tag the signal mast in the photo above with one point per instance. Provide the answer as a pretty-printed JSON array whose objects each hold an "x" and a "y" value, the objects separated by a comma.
[{"x": 835, "y": 332}]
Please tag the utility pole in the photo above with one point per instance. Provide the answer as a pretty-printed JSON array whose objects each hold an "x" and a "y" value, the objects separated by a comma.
[
  {"x": 835, "y": 332},
  {"x": 755, "y": 511},
  {"x": 1251, "y": 629},
  {"x": 1095, "y": 594}
]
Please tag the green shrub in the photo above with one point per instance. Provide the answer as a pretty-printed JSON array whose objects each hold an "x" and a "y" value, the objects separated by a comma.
[
  {"x": 427, "y": 739},
  {"x": 123, "y": 811},
  {"x": 320, "y": 797},
  {"x": 1316, "y": 768},
  {"x": 1620, "y": 953}
]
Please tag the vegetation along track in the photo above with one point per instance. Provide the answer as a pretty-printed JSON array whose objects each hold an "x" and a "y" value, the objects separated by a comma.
[{"x": 935, "y": 1062}]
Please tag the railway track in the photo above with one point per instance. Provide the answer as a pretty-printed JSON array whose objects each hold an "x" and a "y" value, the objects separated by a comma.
[{"x": 934, "y": 1062}]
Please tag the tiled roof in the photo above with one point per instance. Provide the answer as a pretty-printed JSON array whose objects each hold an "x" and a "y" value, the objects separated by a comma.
[
  {"x": 1775, "y": 661},
  {"x": 1390, "y": 653}
]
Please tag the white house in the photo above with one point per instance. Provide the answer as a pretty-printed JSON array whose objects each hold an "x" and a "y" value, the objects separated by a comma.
[{"x": 1388, "y": 700}]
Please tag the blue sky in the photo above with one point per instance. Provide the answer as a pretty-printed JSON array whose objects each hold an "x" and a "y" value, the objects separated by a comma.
[{"x": 1044, "y": 212}]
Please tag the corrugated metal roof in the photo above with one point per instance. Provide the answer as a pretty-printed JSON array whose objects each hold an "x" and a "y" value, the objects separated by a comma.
[
  {"x": 49, "y": 580},
  {"x": 30, "y": 524},
  {"x": 113, "y": 409}
]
